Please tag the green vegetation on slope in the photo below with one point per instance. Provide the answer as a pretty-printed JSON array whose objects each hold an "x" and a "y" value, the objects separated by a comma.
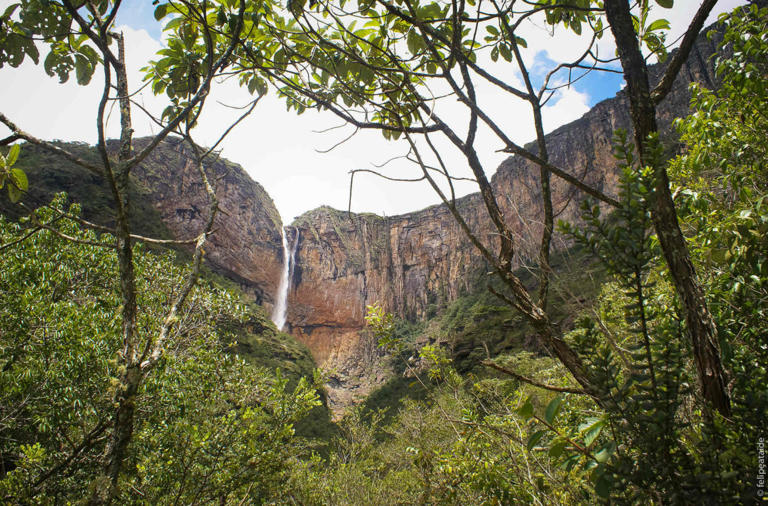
[
  {"x": 209, "y": 425},
  {"x": 49, "y": 174},
  {"x": 478, "y": 326},
  {"x": 256, "y": 340}
]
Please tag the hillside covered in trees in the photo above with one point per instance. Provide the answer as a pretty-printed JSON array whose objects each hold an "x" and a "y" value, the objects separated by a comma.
[{"x": 612, "y": 353}]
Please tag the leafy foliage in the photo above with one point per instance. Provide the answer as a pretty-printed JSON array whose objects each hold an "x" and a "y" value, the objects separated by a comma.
[
  {"x": 209, "y": 424},
  {"x": 69, "y": 48},
  {"x": 648, "y": 437},
  {"x": 14, "y": 178}
]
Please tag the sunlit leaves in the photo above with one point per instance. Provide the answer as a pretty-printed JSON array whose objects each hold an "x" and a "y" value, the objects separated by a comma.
[
  {"x": 723, "y": 200},
  {"x": 14, "y": 178},
  {"x": 382, "y": 324},
  {"x": 651, "y": 33},
  {"x": 204, "y": 416},
  {"x": 526, "y": 410},
  {"x": 572, "y": 14},
  {"x": 17, "y": 184},
  {"x": 591, "y": 429},
  {"x": 68, "y": 49},
  {"x": 534, "y": 439},
  {"x": 553, "y": 408}
]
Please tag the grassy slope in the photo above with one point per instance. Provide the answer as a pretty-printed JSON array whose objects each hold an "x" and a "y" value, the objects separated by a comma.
[{"x": 49, "y": 174}]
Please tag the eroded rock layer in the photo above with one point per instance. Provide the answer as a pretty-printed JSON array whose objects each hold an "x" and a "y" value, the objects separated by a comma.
[
  {"x": 246, "y": 245},
  {"x": 413, "y": 263}
]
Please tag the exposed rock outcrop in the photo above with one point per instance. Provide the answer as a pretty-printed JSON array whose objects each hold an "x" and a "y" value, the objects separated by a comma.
[
  {"x": 412, "y": 264},
  {"x": 246, "y": 245},
  {"x": 415, "y": 262}
]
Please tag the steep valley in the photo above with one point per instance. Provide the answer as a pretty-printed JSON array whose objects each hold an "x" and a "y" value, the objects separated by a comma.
[{"x": 415, "y": 265}]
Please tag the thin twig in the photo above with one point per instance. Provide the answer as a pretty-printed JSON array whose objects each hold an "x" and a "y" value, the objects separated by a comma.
[{"x": 531, "y": 381}]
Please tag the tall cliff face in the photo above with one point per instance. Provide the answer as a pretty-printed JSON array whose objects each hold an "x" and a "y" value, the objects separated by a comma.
[
  {"x": 415, "y": 262},
  {"x": 409, "y": 263},
  {"x": 412, "y": 264},
  {"x": 246, "y": 245}
]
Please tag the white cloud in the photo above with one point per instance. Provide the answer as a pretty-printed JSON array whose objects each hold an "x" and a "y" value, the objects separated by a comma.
[
  {"x": 43, "y": 107},
  {"x": 571, "y": 105}
]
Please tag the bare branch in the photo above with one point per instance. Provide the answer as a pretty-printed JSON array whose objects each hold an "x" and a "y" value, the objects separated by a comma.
[
  {"x": 10, "y": 139},
  {"x": 665, "y": 85},
  {"x": 76, "y": 239},
  {"x": 532, "y": 381},
  {"x": 324, "y": 151},
  {"x": 247, "y": 113},
  {"x": 20, "y": 134},
  {"x": 23, "y": 238},
  {"x": 379, "y": 174}
]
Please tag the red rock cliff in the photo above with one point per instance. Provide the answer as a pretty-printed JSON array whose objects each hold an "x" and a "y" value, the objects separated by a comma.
[{"x": 417, "y": 261}]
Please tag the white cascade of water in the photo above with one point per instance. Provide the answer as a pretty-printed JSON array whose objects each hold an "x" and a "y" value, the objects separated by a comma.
[{"x": 280, "y": 312}]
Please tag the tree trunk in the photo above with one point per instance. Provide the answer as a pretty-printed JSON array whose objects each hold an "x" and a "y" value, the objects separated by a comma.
[
  {"x": 700, "y": 323},
  {"x": 105, "y": 488}
]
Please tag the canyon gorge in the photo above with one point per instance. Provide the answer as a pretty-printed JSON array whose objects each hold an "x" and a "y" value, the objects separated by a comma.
[{"x": 318, "y": 274}]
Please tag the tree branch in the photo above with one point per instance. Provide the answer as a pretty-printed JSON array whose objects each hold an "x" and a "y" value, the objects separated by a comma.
[
  {"x": 665, "y": 85},
  {"x": 18, "y": 133},
  {"x": 531, "y": 381}
]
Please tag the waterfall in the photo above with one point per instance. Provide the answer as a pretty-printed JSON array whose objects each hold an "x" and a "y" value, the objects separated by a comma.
[{"x": 279, "y": 313}]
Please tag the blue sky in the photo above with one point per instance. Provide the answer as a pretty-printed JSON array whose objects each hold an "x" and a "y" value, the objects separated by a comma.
[
  {"x": 597, "y": 85},
  {"x": 139, "y": 14}
]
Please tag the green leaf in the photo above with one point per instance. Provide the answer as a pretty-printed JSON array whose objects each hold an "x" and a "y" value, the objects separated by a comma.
[
  {"x": 535, "y": 438},
  {"x": 17, "y": 185},
  {"x": 506, "y": 53},
  {"x": 160, "y": 11},
  {"x": 415, "y": 42},
  {"x": 667, "y": 4},
  {"x": 526, "y": 410},
  {"x": 49, "y": 63},
  {"x": 603, "y": 487},
  {"x": 90, "y": 53},
  {"x": 576, "y": 27},
  {"x": 593, "y": 432},
  {"x": 19, "y": 179},
  {"x": 659, "y": 24},
  {"x": 83, "y": 69},
  {"x": 605, "y": 452},
  {"x": 553, "y": 408},
  {"x": 557, "y": 449},
  {"x": 9, "y": 11},
  {"x": 13, "y": 155}
]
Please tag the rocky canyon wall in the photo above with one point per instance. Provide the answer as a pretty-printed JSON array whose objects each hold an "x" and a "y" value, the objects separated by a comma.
[
  {"x": 412, "y": 264},
  {"x": 416, "y": 262},
  {"x": 246, "y": 245}
]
